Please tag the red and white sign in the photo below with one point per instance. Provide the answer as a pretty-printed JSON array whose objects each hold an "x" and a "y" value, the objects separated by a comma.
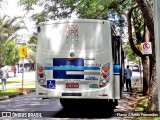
[
  {"x": 146, "y": 48},
  {"x": 72, "y": 85}
]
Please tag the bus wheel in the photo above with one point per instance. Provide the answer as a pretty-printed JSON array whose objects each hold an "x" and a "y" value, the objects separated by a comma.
[
  {"x": 116, "y": 102},
  {"x": 64, "y": 102},
  {"x": 112, "y": 104}
]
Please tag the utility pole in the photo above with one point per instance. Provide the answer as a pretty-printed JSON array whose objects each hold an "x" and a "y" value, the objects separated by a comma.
[{"x": 157, "y": 43}]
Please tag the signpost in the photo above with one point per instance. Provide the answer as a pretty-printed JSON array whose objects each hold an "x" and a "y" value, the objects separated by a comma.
[
  {"x": 23, "y": 54},
  {"x": 146, "y": 48},
  {"x": 157, "y": 42}
]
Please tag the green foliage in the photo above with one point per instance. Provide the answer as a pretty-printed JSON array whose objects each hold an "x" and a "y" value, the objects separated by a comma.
[
  {"x": 33, "y": 39},
  {"x": 138, "y": 21},
  {"x": 93, "y": 9},
  {"x": 28, "y": 3},
  {"x": 96, "y": 9},
  {"x": 13, "y": 92},
  {"x": 130, "y": 54},
  {"x": 32, "y": 46},
  {"x": 31, "y": 56},
  {"x": 8, "y": 29},
  {"x": 11, "y": 54}
]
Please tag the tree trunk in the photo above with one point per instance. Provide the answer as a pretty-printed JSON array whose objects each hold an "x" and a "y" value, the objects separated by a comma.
[
  {"x": 153, "y": 96},
  {"x": 147, "y": 12},
  {"x": 133, "y": 47},
  {"x": 145, "y": 59},
  {"x": 146, "y": 65},
  {"x": 146, "y": 75}
]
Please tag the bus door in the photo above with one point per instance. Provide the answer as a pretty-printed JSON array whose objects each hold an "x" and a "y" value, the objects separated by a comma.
[{"x": 117, "y": 66}]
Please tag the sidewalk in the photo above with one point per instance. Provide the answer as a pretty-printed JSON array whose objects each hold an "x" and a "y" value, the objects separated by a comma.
[
  {"x": 30, "y": 76},
  {"x": 27, "y": 80},
  {"x": 129, "y": 100},
  {"x": 15, "y": 85}
]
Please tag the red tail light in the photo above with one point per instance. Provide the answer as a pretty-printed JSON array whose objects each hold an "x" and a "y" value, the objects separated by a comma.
[
  {"x": 101, "y": 85},
  {"x": 104, "y": 75},
  {"x": 41, "y": 75},
  {"x": 41, "y": 78}
]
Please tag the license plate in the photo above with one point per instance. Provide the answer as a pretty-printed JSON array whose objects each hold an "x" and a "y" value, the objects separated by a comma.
[
  {"x": 72, "y": 85},
  {"x": 71, "y": 94}
]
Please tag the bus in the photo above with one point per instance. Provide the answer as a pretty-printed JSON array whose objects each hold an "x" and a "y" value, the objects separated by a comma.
[{"x": 79, "y": 60}]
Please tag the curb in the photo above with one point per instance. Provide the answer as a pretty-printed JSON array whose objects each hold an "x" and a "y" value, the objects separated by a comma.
[{"x": 11, "y": 96}]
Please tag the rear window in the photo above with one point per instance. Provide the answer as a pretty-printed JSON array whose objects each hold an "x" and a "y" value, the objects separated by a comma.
[{"x": 74, "y": 36}]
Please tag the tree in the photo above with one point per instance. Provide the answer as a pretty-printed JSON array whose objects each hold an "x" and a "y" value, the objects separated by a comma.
[
  {"x": 129, "y": 52},
  {"x": 8, "y": 28},
  {"x": 31, "y": 56},
  {"x": 147, "y": 11},
  {"x": 11, "y": 54}
]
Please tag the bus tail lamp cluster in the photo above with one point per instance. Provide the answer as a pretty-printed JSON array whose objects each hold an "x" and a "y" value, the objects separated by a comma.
[
  {"x": 104, "y": 79},
  {"x": 41, "y": 76}
]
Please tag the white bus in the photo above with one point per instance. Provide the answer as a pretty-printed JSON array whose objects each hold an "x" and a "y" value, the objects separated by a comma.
[{"x": 79, "y": 60}]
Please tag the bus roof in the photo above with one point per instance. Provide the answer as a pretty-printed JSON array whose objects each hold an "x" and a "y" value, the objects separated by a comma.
[{"x": 73, "y": 20}]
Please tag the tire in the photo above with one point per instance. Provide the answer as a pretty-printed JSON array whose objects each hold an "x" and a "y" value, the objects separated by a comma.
[
  {"x": 69, "y": 102},
  {"x": 64, "y": 102}
]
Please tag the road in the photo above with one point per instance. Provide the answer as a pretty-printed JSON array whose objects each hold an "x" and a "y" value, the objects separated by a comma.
[{"x": 51, "y": 108}]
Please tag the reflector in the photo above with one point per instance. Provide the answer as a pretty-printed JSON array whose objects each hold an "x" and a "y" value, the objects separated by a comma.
[
  {"x": 105, "y": 69},
  {"x": 40, "y": 69}
]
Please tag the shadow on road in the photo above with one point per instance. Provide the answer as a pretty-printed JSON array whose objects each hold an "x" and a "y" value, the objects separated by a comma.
[{"x": 84, "y": 112}]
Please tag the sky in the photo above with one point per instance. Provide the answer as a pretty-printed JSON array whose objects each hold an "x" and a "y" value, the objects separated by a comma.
[{"x": 12, "y": 9}]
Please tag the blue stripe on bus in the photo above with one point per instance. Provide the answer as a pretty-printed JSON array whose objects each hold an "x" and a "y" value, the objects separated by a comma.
[
  {"x": 116, "y": 69},
  {"x": 72, "y": 68}
]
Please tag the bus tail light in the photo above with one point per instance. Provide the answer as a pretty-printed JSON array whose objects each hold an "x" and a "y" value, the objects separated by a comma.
[
  {"x": 40, "y": 69},
  {"x": 104, "y": 76},
  {"x": 105, "y": 69},
  {"x": 41, "y": 76}
]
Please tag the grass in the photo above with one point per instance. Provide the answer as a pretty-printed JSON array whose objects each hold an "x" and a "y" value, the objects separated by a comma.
[
  {"x": 19, "y": 83},
  {"x": 141, "y": 106},
  {"x": 26, "y": 84},
  {"x": 13, "y": 82},
  {"x": 14, "y": 91},
  {"x": 17, "y": 88}
]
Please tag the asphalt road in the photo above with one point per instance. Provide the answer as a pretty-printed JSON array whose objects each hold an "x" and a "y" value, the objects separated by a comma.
[{"x": 51, "y": 108}]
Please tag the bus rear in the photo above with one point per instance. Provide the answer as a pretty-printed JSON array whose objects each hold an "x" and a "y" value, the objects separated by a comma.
[{"x": 74, "y": 60}]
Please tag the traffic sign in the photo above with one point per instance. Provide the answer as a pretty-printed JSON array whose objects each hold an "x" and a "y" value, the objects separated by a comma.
[
  {"x": 139, "y": 47},
  {"x": 23, "y": 51},
  {"x": 146, "y": 48}
]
